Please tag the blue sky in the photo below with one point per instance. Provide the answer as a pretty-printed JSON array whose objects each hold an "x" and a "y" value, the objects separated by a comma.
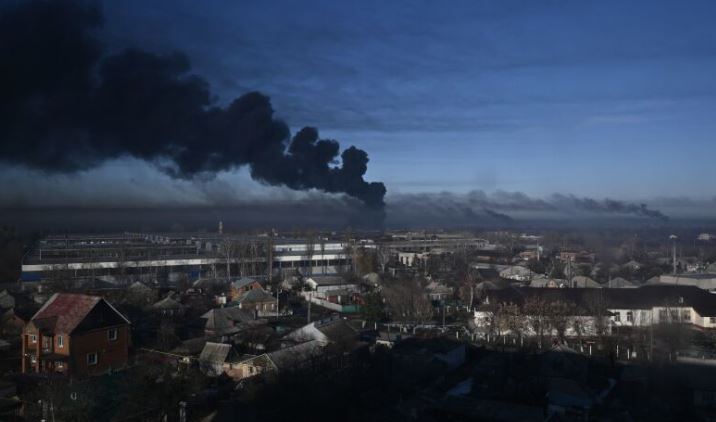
[{"x": 602, "y": 98}]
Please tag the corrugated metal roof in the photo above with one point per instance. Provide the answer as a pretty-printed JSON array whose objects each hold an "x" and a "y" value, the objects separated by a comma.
[{"x": 215, "y": 352}]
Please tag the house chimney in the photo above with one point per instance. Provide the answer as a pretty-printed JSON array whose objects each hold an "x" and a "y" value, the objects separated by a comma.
[{"x": 221, "y": 227}]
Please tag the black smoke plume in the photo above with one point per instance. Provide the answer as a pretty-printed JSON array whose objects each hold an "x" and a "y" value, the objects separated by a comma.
[
  {"x": 504, "y": 218},
  {"x": 66, "y": 106},
  {"x": 503, "y": 208}
]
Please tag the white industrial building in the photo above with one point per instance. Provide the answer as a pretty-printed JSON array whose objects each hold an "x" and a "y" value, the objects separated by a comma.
[{"x": 165, "y": 256}]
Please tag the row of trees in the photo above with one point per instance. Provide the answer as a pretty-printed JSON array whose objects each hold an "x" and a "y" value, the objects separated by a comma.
[{"x": 543, "y": 318}]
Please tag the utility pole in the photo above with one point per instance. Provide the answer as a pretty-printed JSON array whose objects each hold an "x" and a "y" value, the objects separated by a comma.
[
  {"x": 278, "y": 293},
  {"x": 308, "y": 315},
  {"x": 673, "y": 238}
]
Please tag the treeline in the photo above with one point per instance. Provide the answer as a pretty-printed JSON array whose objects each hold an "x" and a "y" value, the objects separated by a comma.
[{"x": 12, "y": 247}]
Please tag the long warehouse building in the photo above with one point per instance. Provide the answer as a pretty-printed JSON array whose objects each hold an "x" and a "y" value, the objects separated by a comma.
[{"x": 162, "y": 256}]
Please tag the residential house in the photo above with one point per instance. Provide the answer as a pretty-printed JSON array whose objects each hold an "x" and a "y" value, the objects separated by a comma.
[
  {"x": 517, "y": 272},
  {"x": 289, "y": 358},
  {"x": 634, "y": 307},
  {"x": 633, "y": 265},
  {"x": 322, "y": 284},
  {"x": 410, "y": 259},
  {"x": 620, "y": 283},
  {"x": 218, "y": 358},
  {"x": 225, "y": 322},
  {"x": 552, "y": 283},
  {"x": 438, "y": 291},
  {"x": 576, "y": 256},
  {"x": 583, "y": 282},
  {"x": 238, "y": 287},
  {"x": 343, "y": 297},
  {"x": 141, "y": 294},
  {"x": 704, "y": 281},
  {"x": 446, "y": 352},
  {"x": 77, "y": 335},
  {"x": 256, "y": 299},
  {"x": 333, "y": 330},
  {"x": 169, "y": 307}
]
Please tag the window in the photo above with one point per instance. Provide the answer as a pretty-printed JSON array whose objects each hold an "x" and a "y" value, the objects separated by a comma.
[
  {"x": 33, "y": 338},
  {"x": 617, "y": 316},
  {"x": 663, "y": 315},
  {"x": 686, "y": 315},
  {"x": 60, "y": 342},
  {"x": 112, "y": 334},
  {"x": 92, "y": 359},
  {"x": 712, "y": 320},
  {"x": 630, "y": 316},
  {"x": 674, "y": 315}
]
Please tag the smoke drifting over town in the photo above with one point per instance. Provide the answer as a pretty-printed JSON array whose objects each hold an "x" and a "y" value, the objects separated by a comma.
[
  {"x": 503, "y": 207},
  {"x": 67, "y": 105}
]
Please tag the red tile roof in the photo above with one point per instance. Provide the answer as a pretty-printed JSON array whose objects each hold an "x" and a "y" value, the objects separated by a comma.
[{"x": 67, "y": 309}]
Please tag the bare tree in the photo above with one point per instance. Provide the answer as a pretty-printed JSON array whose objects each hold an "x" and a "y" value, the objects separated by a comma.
[
  {"x": 596, "y": 304},
  {"x": 671, "y": 331},
  {"x": 228, "y": 249},
  {"x": 310, "y": 250},
  {"x": 254, "y": 256},
  {"x": 383, "y": 254},
  {"x": 536, "y": 309},
  {"x": 407, "y": 303},
  {"x": 242, "y": 253},
  {"x": 559, "y": 314},
  {"x": 467, "y": 289},
  {"x": 509, "y": 320},
  {"x": 323, "y": 254}
]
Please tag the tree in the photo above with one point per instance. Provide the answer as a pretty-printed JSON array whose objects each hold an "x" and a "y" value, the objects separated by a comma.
[
  {"x": 11, "y": 250},
  {"x": 509, "y": 319},
  {"x": 536, "y": 266},
  {"x": 536, "y": 310},
  {"x": 559, "y": 314},
  {"x": 671, "y": 330},
  {"x": 556, "y": 269},
  {"x": 383, "y": 255},
  {"x": 310, "y": 250},
  {"x": 596, "y": 304},
  {"x": 365, "y": 261},
  {"x": 154, "y": 392},
  {"x": 372, "y": 309},
  {"x": 323, "y": 254},
  {"x": 228, "y": 248},
  {"x": 407, "y": 303}
]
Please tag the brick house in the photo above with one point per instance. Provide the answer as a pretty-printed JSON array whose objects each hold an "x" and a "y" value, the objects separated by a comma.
[{"x": 76, "y": 335}]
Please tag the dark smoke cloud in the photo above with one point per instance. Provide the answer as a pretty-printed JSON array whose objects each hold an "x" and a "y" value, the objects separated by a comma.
[
  {"x": 67, "y": 106},
  {"x": 498, "y": 215},
  {"x": 607, "y": 206},
  {"x": 501, "y": 208}
]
